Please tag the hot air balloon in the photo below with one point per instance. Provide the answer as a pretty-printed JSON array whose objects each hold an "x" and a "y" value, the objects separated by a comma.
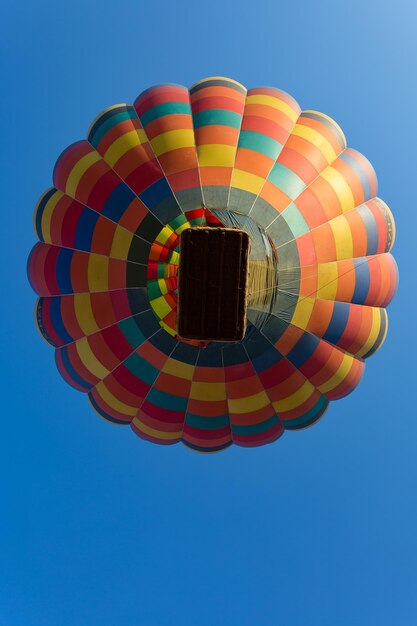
[{"x": 213, "y": 264}]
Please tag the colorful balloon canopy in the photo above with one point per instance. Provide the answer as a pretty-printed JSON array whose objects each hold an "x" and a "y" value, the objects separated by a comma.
[{"x": 106, "y": 264}]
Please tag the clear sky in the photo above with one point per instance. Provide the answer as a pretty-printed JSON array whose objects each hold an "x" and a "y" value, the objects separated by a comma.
[{"x": 101, "y": 528}]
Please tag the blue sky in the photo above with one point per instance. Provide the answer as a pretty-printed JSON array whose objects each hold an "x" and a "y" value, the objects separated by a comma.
[{"x": 101, "y": 528}]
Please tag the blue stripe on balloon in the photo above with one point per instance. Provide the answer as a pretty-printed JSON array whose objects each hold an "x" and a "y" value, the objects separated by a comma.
[
  {"x": 234, "y": 354},
  {"x": 362, "y": 281},
  {"x": 200, "y": 422},
  {"x": 167, "y": 401},
  {"x": 266, "y": 360},
  {"x": 71, "y": 371},
  {"x": 56, "y": 319},
  {"x": 63, "y": 270},
  {"x": 107, "y": 121},
  {"x": 254, "y": 429},
  {"x": 85, "y": 229},
  {"x": 163, "y": 109},
  {"x": 155, "y": 193},
  {"x": 141, "y": 368},
  {"x": 350, "y": 160},
  {"x": 217, "y": 117},
  {"x": 338, "y": 322},
  {"x": 368, "y": 219},
  {"x": 303, "y": 349},
  {"x": 118, "y": 201}
]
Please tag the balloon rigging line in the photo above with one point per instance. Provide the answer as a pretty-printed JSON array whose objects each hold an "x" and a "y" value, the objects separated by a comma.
[{"x": 313, "y": 292}]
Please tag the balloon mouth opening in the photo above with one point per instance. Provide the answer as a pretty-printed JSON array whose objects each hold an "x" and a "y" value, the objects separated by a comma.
[{"x": 213, "y": 284}]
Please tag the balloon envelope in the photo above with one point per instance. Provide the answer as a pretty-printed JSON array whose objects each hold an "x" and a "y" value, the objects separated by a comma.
[{"x": 106, "y": 264}]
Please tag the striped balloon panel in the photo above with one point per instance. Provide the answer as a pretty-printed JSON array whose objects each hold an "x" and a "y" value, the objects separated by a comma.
[
  {"x": 297, "y": 403},
  {"x": 165, "y": 114},
  {"x": 368, "y": 280},
  {"x": 314, "y": 143},
  {"x": 268, "y": 119},
  {"x": 62, "y": 221},
  {"x": 207, "y": 423},
  {"x": 371, "y": 230},
  {"x": 85, "y": 362},
  {"x": 160, "y": 417},
  {"x": 57, "y": 271},
  {"x": 217, "y": 107},
  {"x": 135, "y": 375},
  {"x": 363, "y": 231},
  {"x": 331, "y": 371},
  {"x": 106, "y": 264},
  {"x": 330, "y": 195},
  {"x": 119, "y": 138},
  {"x": 82, "y": 174},
  {"x": 359, "y": 330},
  {"x": 64, "y": 319},
  {"x": 120, "y": 395},
  {"x": 253, "y": 418},
  {"x": 333, "y": 193},
  {"x": 161, "y": 414}
]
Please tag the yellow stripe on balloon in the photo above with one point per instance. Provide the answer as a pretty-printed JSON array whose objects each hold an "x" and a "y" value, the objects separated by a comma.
[
  {"x": 217, "y": 155},
  {"x": 178, "y": 368},
  {"x": 122, "y": 239},
  {"x": 169, "y": 330},
  {"x": 317, "y": 139},
  {"x": 84, "y": 313},
  {"x": 383, "y": 312},
  {"x": 89, "y": 359},
  {"x": 332, "y": 122},
  {"x": 172, "y": 140},
  {"x": 114, "y": 402},
  {"x": 78, "y": 170},
  {"x": 340, "y": 187},
  {"x": 98, "y": 270},
  {"x": 161, "y": 306},
  {"x": 246, "y": 181},
  {"x": 208, "y": 391},
  {"x": 182, "y": 227},
  {"x": 164, "y": 235},
  {"x": 295, "y": 399},
  {"x": 248, "y": 404},
  {"x": 303, "y": 312},
  {"x": 275, "y": 103},
  {"x": 374, "y": 332},
  {"x": 327, "y": 281},
  {"x": 174, "y": 257},
  {"x": 152, "y": 432},
  {"x": 342, "y": 237},
  {"x": 47, "y": 214},
  {"x": 163, "y": 287},
  {"x": 121, "y": 145},
  {"x": 340, "y": 374}
]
